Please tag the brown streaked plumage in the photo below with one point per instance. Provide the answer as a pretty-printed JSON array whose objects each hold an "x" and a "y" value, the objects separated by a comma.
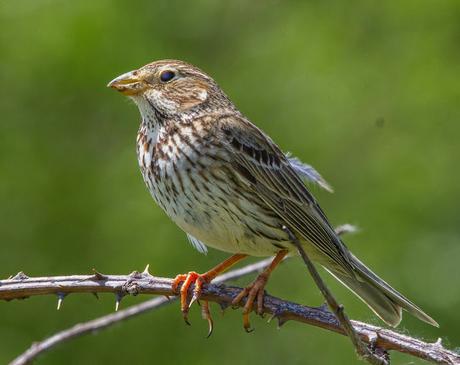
[{"x": 229, "y": 186}]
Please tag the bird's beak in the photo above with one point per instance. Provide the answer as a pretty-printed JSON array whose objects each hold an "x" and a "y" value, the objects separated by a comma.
[{"x": 129, "y": 83}]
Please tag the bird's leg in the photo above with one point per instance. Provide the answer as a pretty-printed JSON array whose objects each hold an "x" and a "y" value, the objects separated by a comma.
[
  {"x": 256, "y": 290},
  {"x": 199, "y": 279}
]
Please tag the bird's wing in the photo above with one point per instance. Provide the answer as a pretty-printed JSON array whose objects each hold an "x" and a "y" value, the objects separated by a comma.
[{"x": 262, "y": 165}]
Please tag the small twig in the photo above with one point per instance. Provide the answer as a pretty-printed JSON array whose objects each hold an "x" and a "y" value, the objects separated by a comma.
[
  {"x": 337, "y": 308},
  {"x": 81, "y": 329}
]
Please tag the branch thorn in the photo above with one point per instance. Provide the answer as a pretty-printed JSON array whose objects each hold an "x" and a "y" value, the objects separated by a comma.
[
  {"x": 438, "y": 342},
  {"x": 118, "y": 298},
  {"x": 135, "y": 275},
  {"x": 281, "y": 321},
  {"x": 61, "y": 297},
  {"x": 271, "y": 317},
  {"x": 98, "y": 275},
  {"x": 19, "y": 276}
]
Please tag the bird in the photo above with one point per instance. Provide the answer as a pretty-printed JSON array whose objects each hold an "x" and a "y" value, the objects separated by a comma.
[{"x": 229, "y": 186}]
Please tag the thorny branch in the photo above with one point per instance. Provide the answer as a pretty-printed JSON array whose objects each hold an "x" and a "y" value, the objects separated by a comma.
[
  {"x": 21, "y": 286},
  {"x": 108, "y": 320}
]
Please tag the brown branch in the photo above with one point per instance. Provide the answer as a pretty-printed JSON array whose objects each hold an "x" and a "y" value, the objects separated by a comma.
[
  {"x": 81, "y": 329},
  {"x": 21, "y": 286},
  {"x": 108, "y": 320}
]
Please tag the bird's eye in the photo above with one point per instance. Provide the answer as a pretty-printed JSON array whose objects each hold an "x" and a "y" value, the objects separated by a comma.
[{"x": 166, "y": 76}]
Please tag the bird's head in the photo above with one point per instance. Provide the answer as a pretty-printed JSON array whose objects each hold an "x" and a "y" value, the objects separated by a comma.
[{"x": 169, "y": 87}]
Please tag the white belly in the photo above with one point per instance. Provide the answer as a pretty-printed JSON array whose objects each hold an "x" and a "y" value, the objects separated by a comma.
[{"x": 198, "y": 195}]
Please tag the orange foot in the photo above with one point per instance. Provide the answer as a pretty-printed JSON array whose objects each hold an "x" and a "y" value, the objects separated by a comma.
[
  {"x": 257, "y": 290},
  {"x": 252, "y": 291},
  {"x": 188, "y": 279},
  {"x": 200, "y": 279}
]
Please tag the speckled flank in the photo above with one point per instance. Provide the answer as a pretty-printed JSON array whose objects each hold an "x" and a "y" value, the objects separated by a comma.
[{"x": 187, "y": 173}]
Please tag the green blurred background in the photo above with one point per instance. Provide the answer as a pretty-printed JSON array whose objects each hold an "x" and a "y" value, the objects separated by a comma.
[{"x": 367, "y": 92}]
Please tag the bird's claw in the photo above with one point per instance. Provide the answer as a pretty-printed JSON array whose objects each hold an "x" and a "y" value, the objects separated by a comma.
[
  {"x": 193, "y": 300},
  {"x": 187, "y": 280},
  {"x": 205, "y": 314},
  {"x": 253, "y": 292}
]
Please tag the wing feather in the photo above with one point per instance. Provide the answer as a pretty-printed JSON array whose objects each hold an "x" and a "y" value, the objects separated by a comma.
[
  {"x": 308, "y": 173},
  {"x": 200, "y": 246},
  {"x": 271, "y": 176}
]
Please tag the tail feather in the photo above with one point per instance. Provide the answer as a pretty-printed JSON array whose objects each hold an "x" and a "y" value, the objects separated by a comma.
[{"x": 385, "y": 301}]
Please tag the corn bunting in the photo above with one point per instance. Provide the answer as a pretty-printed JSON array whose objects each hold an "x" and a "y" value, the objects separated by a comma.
[{"x": 229, "y": 186}]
